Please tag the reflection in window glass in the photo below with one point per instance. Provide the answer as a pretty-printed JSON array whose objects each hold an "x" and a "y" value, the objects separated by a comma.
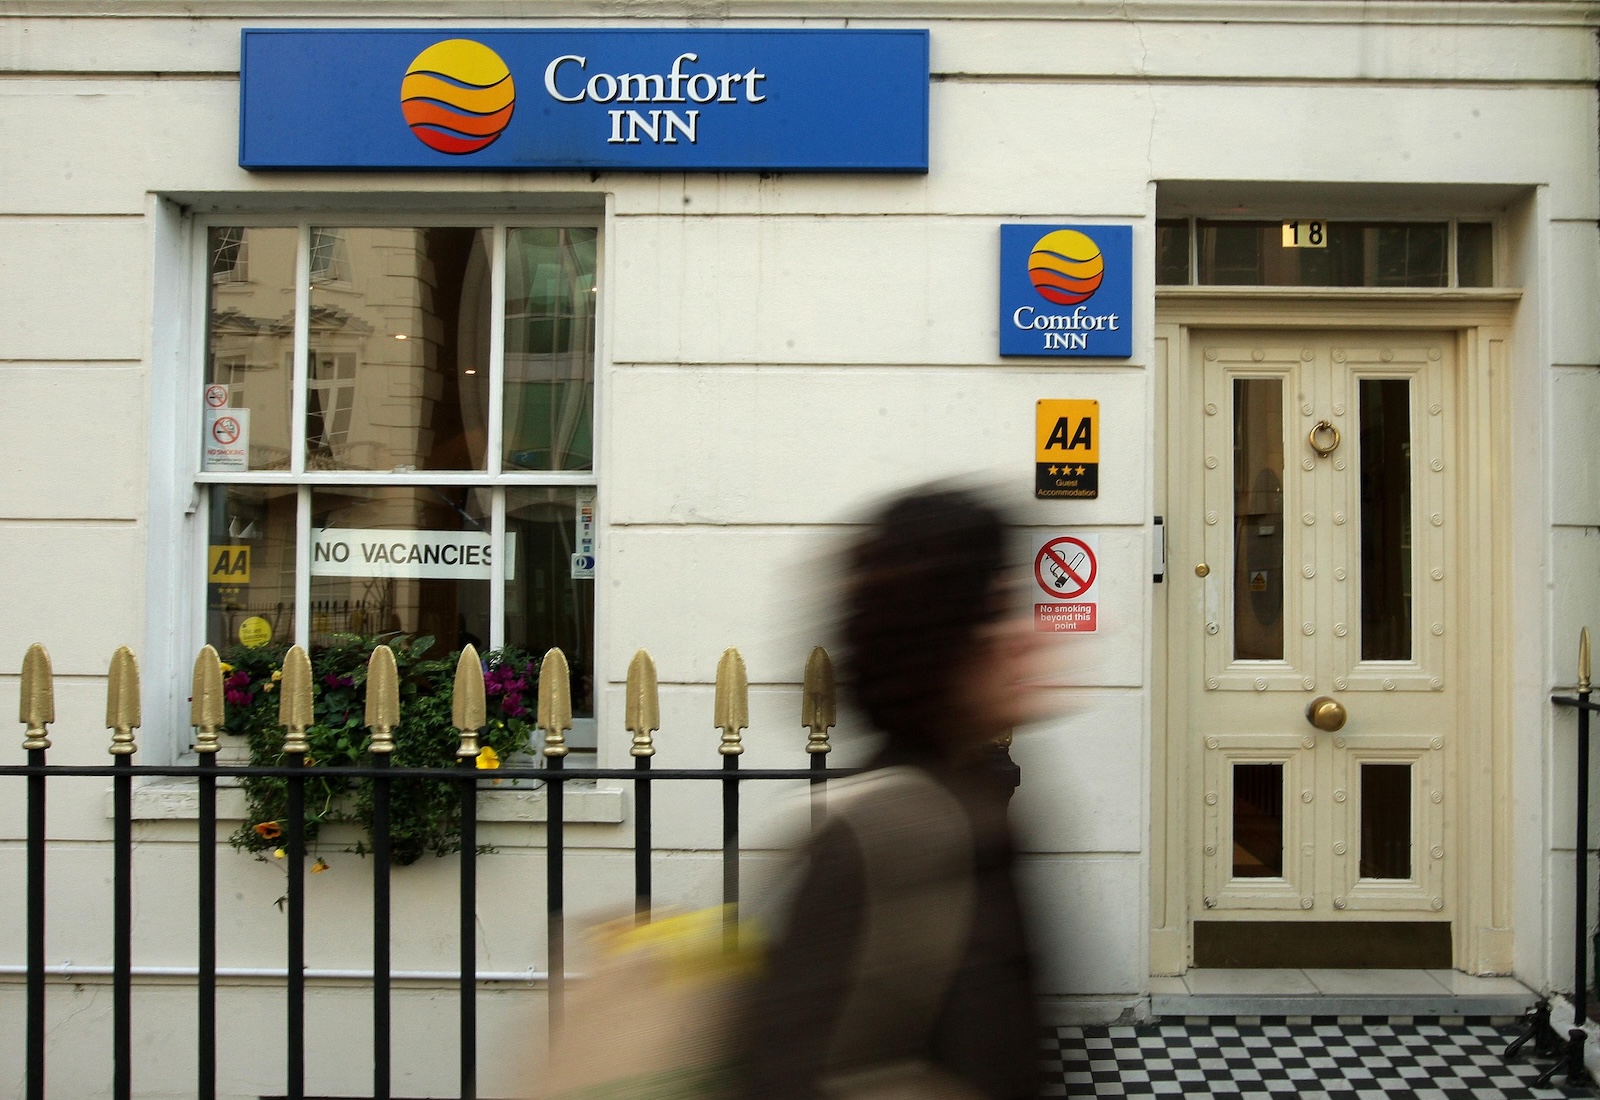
[
  {"x": 1375, "y": 254},
  {"x": 1386, "y": 821},
  {"x": 1474, "y": 254},
  {"x": 1385, "y": 519},
  {"x": 1172, "y": 251},
  {"x": 549, "y": 395},
  {"x": 399, "y": 349},
  {"x": 250, "y": 335},
  {"x": 250, "y": 566},
  {"x": 1258, "y": 519},
  {"x": 550, "y": 601},
  {"x": 401, "y": 560},
  {"x": 1258, "y": 821}
]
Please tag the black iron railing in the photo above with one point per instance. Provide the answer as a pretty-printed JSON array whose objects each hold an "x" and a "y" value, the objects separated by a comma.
[
  {"x": 206, "y": 773},
  {"x": 1538, "y": 1028}
]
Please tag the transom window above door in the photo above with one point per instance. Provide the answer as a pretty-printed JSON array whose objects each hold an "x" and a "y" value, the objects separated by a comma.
[{"x": 1351, "y": 253}]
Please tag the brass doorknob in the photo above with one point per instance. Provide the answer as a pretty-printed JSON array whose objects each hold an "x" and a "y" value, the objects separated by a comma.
[{"x": 1326, "y": 714}]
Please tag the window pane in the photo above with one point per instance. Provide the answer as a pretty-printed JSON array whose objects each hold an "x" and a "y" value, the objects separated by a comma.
[
  {"x": 1386, "y": 821},
  {"x": 398, "y": 374},
  {"x": 1474, "y": 254},
  {"x": 550, "y": 602},
  {"x": 250, "y": 566},
  {"x": 1385, "y": 519},
  {"x": 1375, "y": 254},
  {"x": 549, "y": 397},
  {"x": 1258, "y": 519},
  {"x": 1258, "y": 821},
  {"x": 412, "y": 561},
  {"x": 250, "y": 344},
  {"x": 1172, "y": 252}
]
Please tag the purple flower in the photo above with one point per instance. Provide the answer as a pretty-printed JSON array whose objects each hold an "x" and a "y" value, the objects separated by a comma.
[
  {"x": 330, "y": 680},
  {"x": 239, "y": 679},
  {"x": 237, "y": 698}
]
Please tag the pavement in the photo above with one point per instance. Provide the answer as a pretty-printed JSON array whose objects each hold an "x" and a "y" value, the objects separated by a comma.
[{"x": 1310, "y": 1058}]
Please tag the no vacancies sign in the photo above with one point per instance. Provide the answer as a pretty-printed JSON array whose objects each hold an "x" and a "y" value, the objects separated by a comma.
[
  {"x": 443, "y": 555},
  {"x": 657, "y": 100}
]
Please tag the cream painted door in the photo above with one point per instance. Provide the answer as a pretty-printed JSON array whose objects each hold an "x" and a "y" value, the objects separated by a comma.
[{"x": 1327, "y": 533}]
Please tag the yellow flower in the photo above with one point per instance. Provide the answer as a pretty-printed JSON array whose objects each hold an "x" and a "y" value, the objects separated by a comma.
[
  {"x": 488, "y": 758},
  {"x": 279, "y": 854},
  {"x": 320, "y": 866},
  {"x": 277, "y": 674},
  {"x": 226, "y": 667},
  {"x": 268, "y": 687}
]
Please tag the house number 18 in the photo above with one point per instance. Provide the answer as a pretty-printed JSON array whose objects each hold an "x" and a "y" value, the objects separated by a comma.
[{"x": 1305, "y": 235}]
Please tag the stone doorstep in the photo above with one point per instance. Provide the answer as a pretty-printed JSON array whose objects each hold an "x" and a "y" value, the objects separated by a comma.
[{"x": 1337, "y": 993}]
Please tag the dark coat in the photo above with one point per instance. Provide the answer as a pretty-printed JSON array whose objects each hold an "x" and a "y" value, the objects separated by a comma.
[{"x": 985, "y": 1028}]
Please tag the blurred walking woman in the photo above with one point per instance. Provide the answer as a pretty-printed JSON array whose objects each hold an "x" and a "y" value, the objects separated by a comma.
[{"x": 903, "y": 968}]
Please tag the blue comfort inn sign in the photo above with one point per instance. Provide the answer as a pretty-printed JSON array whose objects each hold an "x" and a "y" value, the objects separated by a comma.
[
  {"x": 650, "y": 100},
  {"x": 1066, "y": 290}
]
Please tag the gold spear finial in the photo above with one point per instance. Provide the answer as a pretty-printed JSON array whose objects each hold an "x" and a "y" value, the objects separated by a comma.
[
  {"x": 122, "y": 701},
  {"x": 295, "y": 712},
  {"x": 383, "y": 699},
  {"x": 732, "y": 709},
  {"x": 555, "y": 702},
  {"x": 468, "y": 712},
  {"x": 1583, "y": 659},
  {"x": 644, "y": 704},
  {"x": 38, "y": 707},
  {"x": 819, "y": 705},
  {"x": 206, "y": 699}
]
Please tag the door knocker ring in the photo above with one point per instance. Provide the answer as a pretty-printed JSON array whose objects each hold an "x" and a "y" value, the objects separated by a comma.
[{"x": 1320, "y": 429}]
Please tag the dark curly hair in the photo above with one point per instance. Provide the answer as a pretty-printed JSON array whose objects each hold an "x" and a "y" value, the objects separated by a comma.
[{"x": 921, "y": 582}]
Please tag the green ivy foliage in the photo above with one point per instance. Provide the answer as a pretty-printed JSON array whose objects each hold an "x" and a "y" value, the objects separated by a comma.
[{"x": 425, "y": 815}]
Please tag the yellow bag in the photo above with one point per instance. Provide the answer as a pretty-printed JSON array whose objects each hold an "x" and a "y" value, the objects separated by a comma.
[{"x": 654, "y": 1020}]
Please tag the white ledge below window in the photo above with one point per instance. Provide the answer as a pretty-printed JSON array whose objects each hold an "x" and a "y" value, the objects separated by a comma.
[{"x": 175, "y": 799}]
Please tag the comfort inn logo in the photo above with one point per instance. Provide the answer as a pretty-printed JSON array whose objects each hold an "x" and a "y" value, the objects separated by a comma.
[
  {"x": 457, "y": 96},
  {"x": 1066, "y": 290}
]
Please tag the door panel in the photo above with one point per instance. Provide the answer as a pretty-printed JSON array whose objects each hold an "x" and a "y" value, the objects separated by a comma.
[{"x": 1326, "y": 531}]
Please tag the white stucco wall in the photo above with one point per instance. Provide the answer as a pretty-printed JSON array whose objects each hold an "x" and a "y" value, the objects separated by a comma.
[{"x": 775, "y": 353}]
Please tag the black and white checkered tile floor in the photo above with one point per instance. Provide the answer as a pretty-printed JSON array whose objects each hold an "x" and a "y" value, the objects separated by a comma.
[{"x": 1349, "y": 1058}]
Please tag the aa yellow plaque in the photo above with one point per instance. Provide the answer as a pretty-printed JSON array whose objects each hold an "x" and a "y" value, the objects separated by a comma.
[{"x": 1067, "y": 450}]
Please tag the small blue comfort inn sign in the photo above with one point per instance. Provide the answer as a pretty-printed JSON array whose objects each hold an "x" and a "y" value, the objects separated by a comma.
[{"x": 1066, "y": 290}]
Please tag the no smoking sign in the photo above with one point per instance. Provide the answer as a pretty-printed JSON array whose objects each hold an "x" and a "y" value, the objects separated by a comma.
[{"x": 1065, "y": 571}]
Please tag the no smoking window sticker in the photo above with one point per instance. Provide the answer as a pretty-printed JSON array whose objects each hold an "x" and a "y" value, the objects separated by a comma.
[{"x": 1065, "y": 570}]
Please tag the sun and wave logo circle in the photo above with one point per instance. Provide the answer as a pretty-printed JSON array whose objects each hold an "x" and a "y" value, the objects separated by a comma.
[
  {"x": 457, "y": 96},
  {"x": 1066, "y": 267}
]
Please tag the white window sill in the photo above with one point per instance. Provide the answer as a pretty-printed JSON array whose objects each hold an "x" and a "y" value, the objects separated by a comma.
[{"x": 171, "y": 798}]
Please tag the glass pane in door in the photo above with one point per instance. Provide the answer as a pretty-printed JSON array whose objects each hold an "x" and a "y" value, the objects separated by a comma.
[
  {"x": 1386, "y": 821},
  {"x": 1385, "y": 519},
  {"x": 1258, "y": 519},
  {"x": 1258, "y": 821}
]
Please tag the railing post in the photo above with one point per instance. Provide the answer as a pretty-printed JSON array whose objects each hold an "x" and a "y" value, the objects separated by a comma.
[
  {"x": 468, "y": 714},
  {"x": 731, "y": 714},
  {"x": 642, "y": 719},
  {"x": 206, "y": 716},
  {"x": 37, "y": 711},
  {"x": 555, "y": 718},
  {"x": 1571, "y": 1064},
  {"x": 819, "y": 710},
  {"x": 382, "y": 716},
  {"x": 295, "y": 713},
  {"x": 122, "y": 718}
]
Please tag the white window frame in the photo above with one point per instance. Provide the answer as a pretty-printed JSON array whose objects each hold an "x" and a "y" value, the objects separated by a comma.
[{"x": 179, "y": 501}]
